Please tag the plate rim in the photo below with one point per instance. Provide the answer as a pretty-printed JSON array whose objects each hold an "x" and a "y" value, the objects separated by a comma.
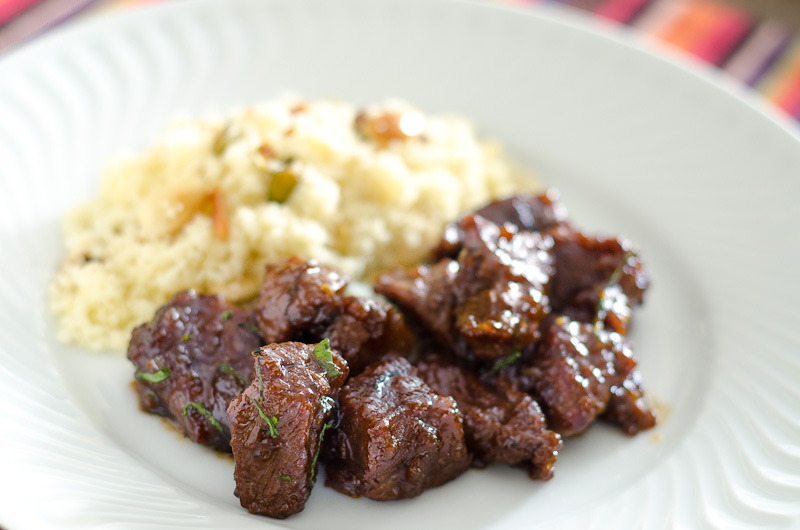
[{"x": 750, "y": 99}]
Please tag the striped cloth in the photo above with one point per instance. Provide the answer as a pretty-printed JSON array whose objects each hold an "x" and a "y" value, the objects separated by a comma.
[{"x": 763, "y": 54}]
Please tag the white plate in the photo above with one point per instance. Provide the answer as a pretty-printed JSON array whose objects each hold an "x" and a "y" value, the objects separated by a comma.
[{"x": 706, "y": 182}]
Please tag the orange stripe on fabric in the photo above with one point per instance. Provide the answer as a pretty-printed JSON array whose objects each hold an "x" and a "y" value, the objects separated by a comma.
[{"x": 693, "y": 25}]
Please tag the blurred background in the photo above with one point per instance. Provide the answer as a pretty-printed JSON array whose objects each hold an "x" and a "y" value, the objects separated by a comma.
[{"x": 755, "y": 42}]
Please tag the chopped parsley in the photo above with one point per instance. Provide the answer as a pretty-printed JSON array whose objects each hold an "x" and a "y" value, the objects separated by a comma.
[
  {"x": 186, "y": 338},
  {"x": 272, "y": 423},
  {"x": 260, "y": 377},
  {"x": 249, "y": 326},
  {"x": 155, "y": 377},
  {"x": 286, "y": 478},
  {"x": 312, "y": 479},
  {"x": 228, "y": 369},
  {"x": 327, "y": 405},
  {"x": 324, "y": 356},
  {"x": 226, "y": 315},
  {"x": 616, "y": 276},
  {"x": 199, "y": 407},
  {"x": 512, "y": 357}
]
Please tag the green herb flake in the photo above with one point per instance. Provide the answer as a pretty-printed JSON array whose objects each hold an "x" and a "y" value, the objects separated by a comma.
[
  {"x": 312, "y": 478},
  {"x": 512, "y": 357},
  {"x": 616, "y": 276},
  {"x": 226, "y": 315},
  {"x": 286, "y": 478},
  {"x": 272, "y": 423},
  {"x": 199, "y": 407},
  {"x": 155, "y": 377},
  {"x": 324, "y": 356},
  {"x": 186, "y": 338},
  {"x": 260, "y": 378},
  {"x": 228, "y": 369},
  {"x": 249, "y": 326}
]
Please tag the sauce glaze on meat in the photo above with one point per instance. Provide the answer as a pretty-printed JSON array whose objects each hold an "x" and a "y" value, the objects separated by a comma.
[
  {"x": 524, "y": 299},
  {"x": 278, "y": 423},
  {"x": 513, "y": 336},
  {"x": 501, "y": 423},
  {"x": 397, "y": 437},
  {"x": 201, "y": 346}
]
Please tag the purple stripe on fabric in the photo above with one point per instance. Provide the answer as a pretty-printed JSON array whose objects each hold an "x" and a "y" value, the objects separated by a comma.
[{"x": 759, "y": 53}]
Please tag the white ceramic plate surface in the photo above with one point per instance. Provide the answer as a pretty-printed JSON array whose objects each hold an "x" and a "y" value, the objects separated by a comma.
[{"x": 701, "y": 177}]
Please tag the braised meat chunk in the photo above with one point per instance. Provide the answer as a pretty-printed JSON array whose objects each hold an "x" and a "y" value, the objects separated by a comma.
[
  {"x": 426, "y": 297},
  {"x": 367, "y": 331},
  {"x": 586, "y": 265},
  {"x": 500, "y": 289},
  {"x": 298, "y": 300},
  {"x": 501, "y": 424},
  {"x": 531, "y": 213},
  {"x": 579, "y": 372},
  {"x": 278, "y": 424},
  {"x": 304, "y": 301},
  {"x": 569, "y": 372},
  {"x": 626, "y": 406},
  {"x": 487, "y": 303},
  {"x": 396, "y": 436},
  {"x": 191, "y": 360}
]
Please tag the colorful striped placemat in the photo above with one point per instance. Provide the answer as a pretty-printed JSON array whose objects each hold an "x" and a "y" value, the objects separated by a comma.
[{"x": 761, "y": 53}]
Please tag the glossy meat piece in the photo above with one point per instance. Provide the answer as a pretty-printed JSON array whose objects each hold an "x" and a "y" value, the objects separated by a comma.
[
  {"x": 205, "y": 345},
  {"x": 486, "y": 304},
  {"x": 578, "y": 372},
  {"x": 585, "y": 265},
  {"x": 501, "y": 424},
  {"x": 425, "y": 295},
  {"x": 532, "y": 213},
  {"x": 276, "y": 454},
  {"x": 500, "y": 289},
  {"x": 569, "y": 373},
  {"x": 298, "y": 300},
  {"x": 626, "y": 406},
  {"x": 397, "y": 437},
  {"x": 367, "y": 331}
]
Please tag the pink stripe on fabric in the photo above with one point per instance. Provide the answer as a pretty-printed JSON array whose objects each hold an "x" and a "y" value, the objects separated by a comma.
[
  {"x": 792, "y": 106},
  {"x": 621, "y": 10},
  {"x": 11, "y": 8},
  {"x": 729, "y": 29}
]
